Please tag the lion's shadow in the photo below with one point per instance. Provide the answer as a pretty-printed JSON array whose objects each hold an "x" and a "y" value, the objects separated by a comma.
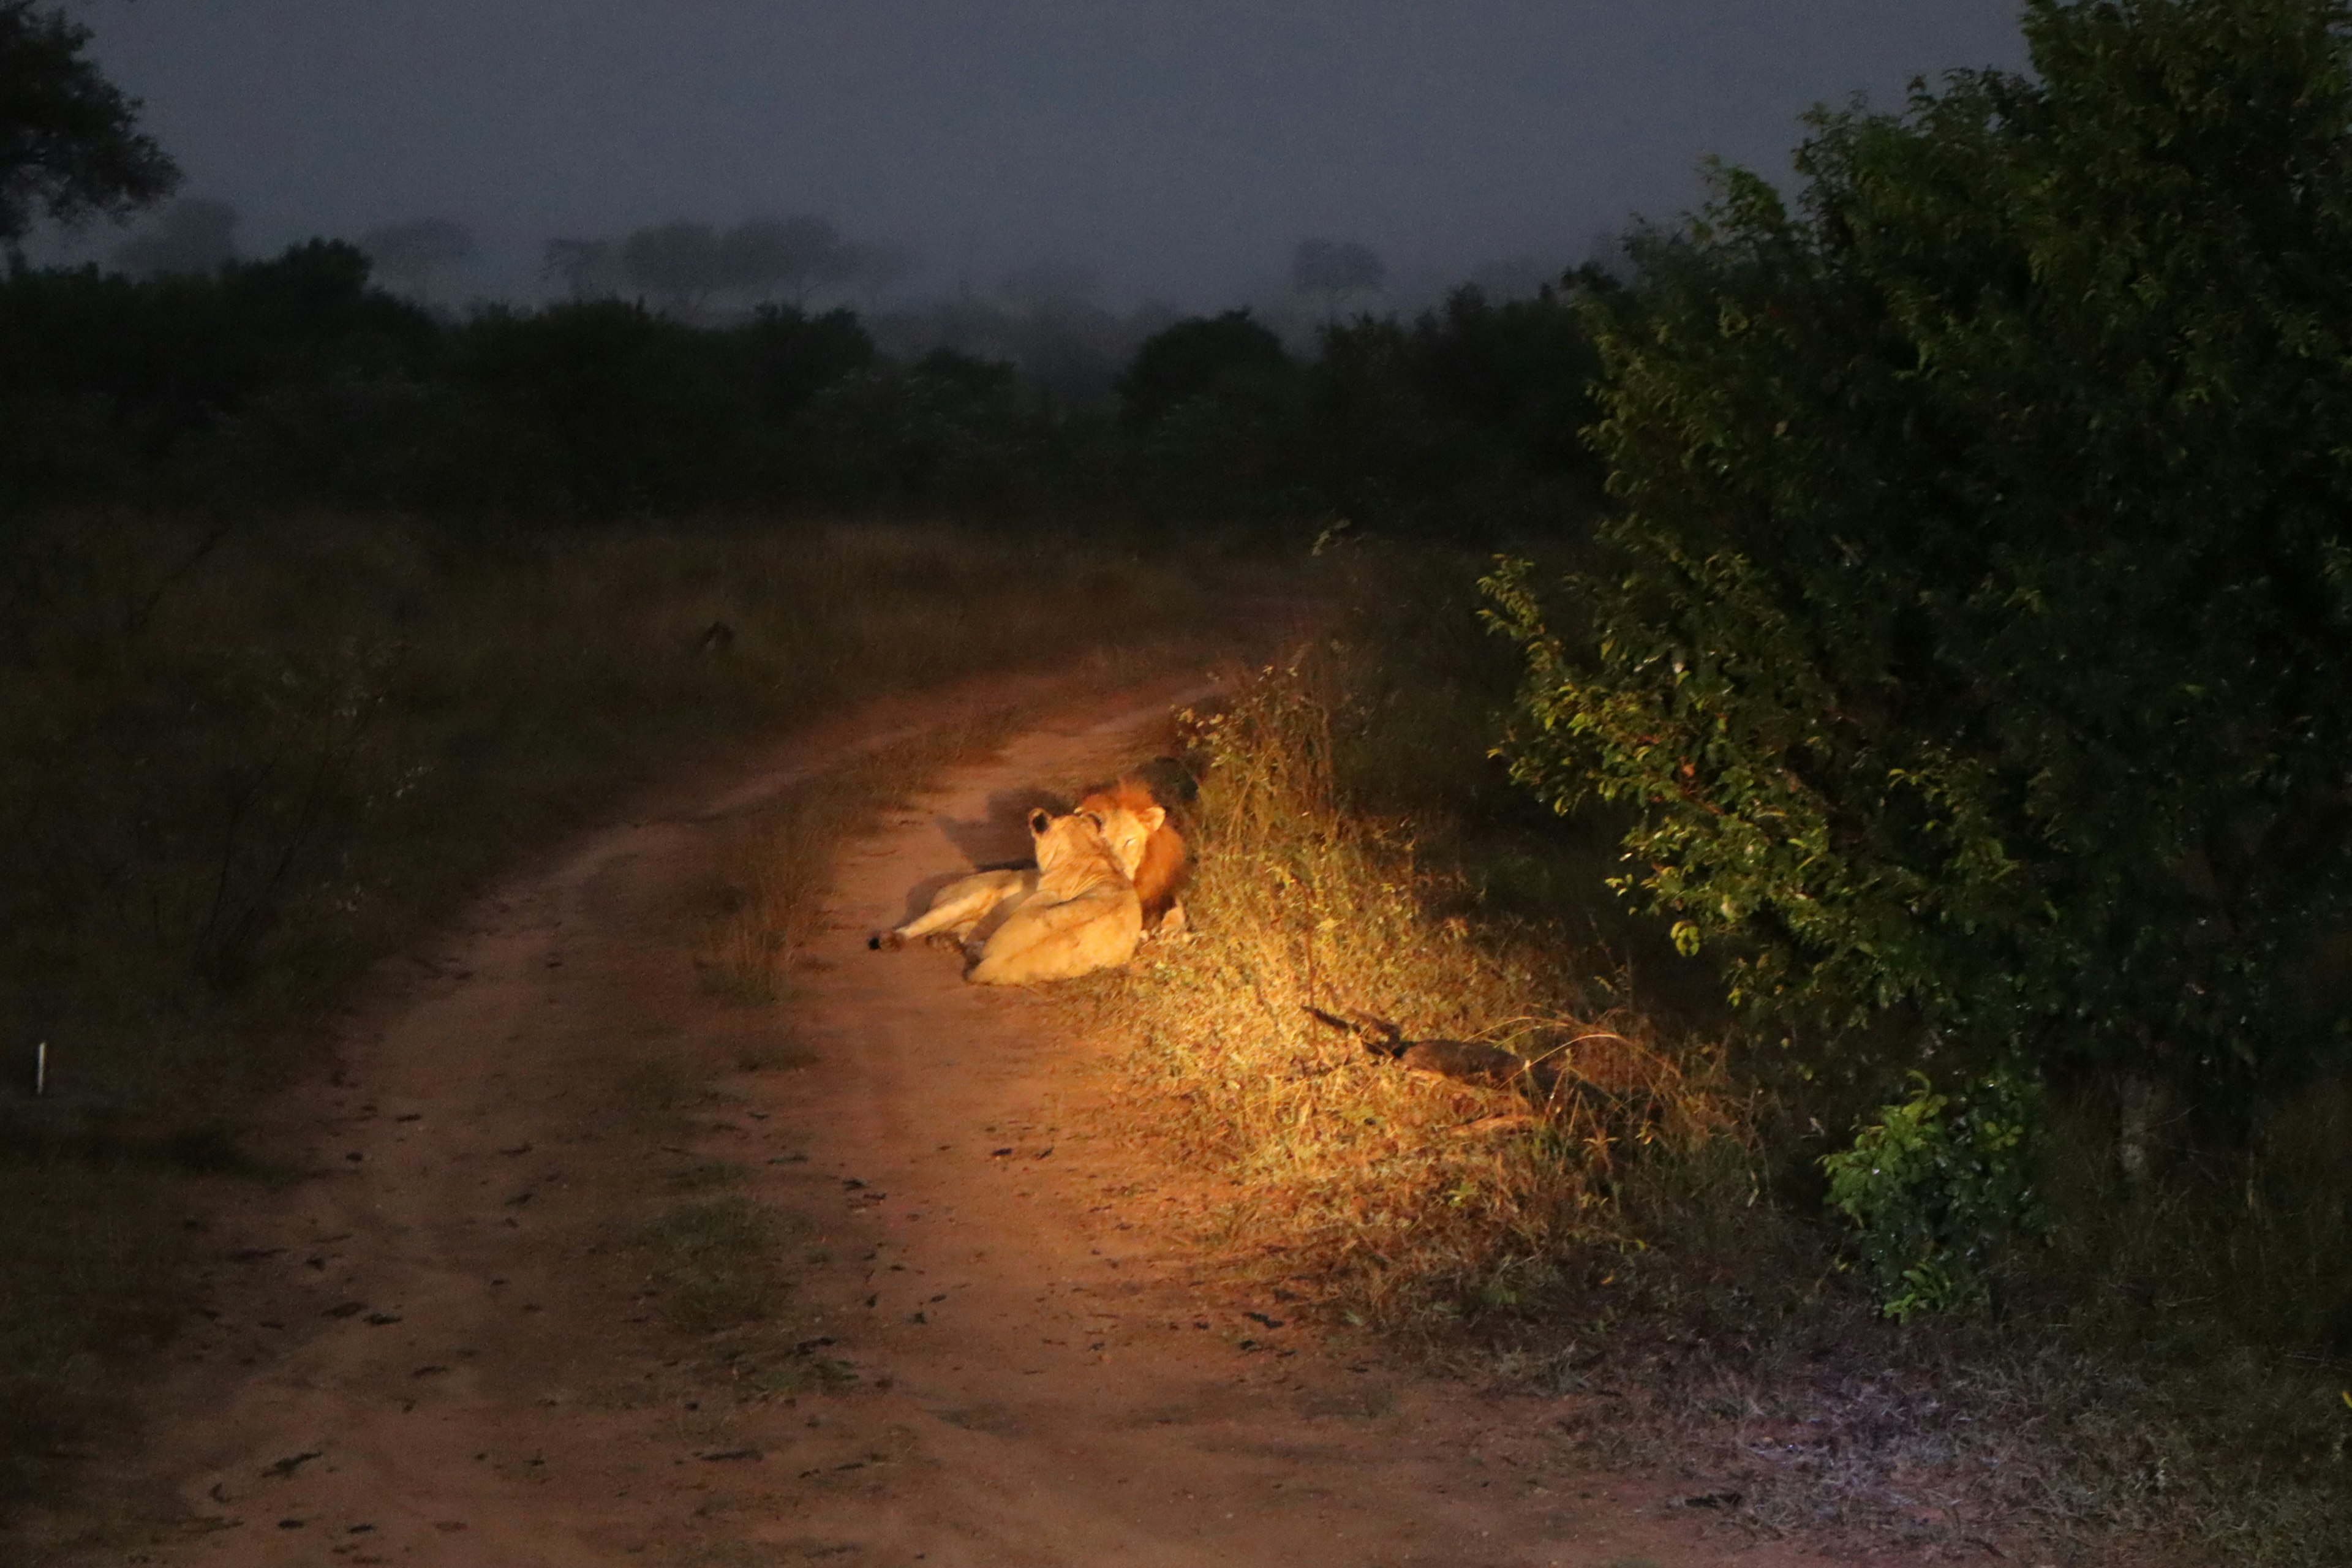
[{"x": 996, "y": 840}]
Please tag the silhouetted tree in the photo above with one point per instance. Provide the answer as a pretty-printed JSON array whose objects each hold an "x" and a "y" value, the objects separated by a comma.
[
  {"x": 584, "y": 265},
  {"x": 1196, "y": 359},
  {"x": 680, "y": 261},
  {"x": 413, "y": 252},
  {"x": 192, "y": 235},
  {"x": 795, "y": 254},
  {"x": 1335, "y": 268},
  {"x": 68, "y": 142}
]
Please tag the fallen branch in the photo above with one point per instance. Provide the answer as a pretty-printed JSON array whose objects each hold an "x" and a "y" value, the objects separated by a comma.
[{"x": 1546, "y": 1080}]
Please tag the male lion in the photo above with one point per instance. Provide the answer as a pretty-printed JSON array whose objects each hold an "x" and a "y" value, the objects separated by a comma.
[
  {"x": 1082, "y": 916},
  {"x": 1148, "y": 846}
]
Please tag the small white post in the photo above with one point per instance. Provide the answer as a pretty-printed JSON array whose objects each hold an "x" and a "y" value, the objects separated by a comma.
[{"x": 40, "y": 1069}]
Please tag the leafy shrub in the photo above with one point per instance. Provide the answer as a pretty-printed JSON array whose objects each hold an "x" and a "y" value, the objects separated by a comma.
[
  {"x": 1204, "y": 357},
  {"x": 1935, "y": 1187},
  {"x": 1974, "y": 645}
]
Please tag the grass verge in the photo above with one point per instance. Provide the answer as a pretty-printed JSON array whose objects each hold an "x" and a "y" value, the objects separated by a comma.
[{"x": 1396, "y": 1199}]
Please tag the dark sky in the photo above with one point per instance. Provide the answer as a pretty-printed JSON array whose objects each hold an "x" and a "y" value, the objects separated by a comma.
[{"x": 1181, "y": 146}]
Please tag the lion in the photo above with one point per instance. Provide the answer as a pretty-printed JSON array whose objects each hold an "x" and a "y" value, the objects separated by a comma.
[
  {"x": 1131, "y": 822},
  {"x": 1082, "y": 915},
  {"x": 1147, "y": 844}
]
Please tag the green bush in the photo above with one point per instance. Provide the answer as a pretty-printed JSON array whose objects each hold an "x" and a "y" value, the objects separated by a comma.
[
  {"x": 1975, "y": 650},
  {"x": 1936, "y": 1187},
  {"x": 1205, "y": 356}
]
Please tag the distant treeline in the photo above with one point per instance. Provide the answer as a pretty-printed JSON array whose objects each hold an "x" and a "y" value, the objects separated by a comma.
[{"x": 294, "y": 380}]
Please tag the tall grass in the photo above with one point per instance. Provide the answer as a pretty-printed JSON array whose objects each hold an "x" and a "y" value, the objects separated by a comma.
[
  {"x": 240, "y": 762},
  {"x": 1394, "y": 1198}
]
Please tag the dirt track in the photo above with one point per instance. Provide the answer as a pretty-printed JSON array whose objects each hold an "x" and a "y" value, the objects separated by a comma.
[{"x": 432, "y": 1349}]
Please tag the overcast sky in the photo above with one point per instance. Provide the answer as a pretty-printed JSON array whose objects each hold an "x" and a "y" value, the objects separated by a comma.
[{"x": 1181, "y": 147}]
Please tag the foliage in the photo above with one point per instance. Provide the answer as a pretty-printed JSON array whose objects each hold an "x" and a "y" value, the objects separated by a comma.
[
  {"x": 1204, "y": 356},
  {"x": 104, "y": 379},
  {"x": 2160, "y": 1380},
  {"x": 1459, "y": 424},
  {"x": 294, "y": 378},
  {"x": 69, "y": 147},
  {"x": 1977, "y": 646},
  {"x": 298, "y": 380},
  {"x": 1935, "y": 1187}
]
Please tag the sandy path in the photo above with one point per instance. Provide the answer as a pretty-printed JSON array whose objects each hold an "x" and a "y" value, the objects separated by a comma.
[{"x": 434, "y": 1349}]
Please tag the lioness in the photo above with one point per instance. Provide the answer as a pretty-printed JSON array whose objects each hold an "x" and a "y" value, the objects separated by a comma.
[
  {"x": 1130, "y": 821},
  {"x": 1082, "y": 916}
]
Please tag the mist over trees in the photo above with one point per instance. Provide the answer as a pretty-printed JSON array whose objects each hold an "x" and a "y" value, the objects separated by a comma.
[
  {"x": 677, "y": 262},
  {"x": 793, "y": 256},
  {"x": 1335, "y": 271},
  {"x": 689, "y": 266},
  {"x": 1514, "y": 277},
  {"x": 194, "y": 235},
  {"x": 877, "y": 266},
  {"x": 416, "y": 252},
  {"x": 587, "y": 267},
  {"x": 1051, "y": 285}
]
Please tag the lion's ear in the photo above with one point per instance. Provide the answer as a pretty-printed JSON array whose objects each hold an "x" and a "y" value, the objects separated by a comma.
[
  {"x": 1040, "y": 820},
  {"x": 1151, "y": 817}
]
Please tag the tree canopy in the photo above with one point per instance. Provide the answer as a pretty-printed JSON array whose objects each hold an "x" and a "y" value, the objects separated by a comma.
[
  {"x": 1974, "y": 647},
  {"x": 795, "y": 254},
  {"x": 1196, "y": 358},
  {"x": 69, "y": 145}
]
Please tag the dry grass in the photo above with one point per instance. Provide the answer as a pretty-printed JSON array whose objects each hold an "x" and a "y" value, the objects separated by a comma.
[{"x": 1394, "y": 1199}]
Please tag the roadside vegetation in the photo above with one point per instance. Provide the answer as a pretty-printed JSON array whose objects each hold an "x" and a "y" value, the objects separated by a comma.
[{"x": 2150, "y": 1374}]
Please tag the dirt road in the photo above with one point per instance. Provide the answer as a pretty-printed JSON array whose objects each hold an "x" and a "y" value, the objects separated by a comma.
[{"x": 446, "y": 1344}]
